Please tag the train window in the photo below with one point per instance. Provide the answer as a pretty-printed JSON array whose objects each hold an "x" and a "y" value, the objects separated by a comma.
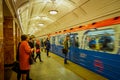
[
  {"x": 61, "y": 39},
  {"x": 76, "y": 41},
  {"x": 102, "y": 40},
  {"x": 71, "y": 41},
  {"x": 53, "y": 40}
]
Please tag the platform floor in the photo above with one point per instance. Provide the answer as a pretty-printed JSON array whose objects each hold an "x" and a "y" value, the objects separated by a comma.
[{"x": 53, "y": 68}]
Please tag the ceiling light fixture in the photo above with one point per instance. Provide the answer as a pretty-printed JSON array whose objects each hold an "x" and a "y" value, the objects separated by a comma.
[
  {"x": 53, "y": 12},
  {"x": 41, "y": 24}
]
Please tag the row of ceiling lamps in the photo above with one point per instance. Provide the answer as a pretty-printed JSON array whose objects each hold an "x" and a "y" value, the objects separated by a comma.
[{"x": 52, "y": 12}]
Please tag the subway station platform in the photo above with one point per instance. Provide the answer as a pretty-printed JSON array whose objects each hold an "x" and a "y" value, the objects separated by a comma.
[{"x": 53, "y": 68}]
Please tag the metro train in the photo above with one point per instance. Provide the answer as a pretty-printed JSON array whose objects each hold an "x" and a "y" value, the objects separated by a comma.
[
  {"x": 94, "y": 46},
  {"x": 92, "y": 25}
]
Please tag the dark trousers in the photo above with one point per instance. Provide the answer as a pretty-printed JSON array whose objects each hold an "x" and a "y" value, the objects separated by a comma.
[
  {"x": 32, "y": 54},
  {"x": 19, "y": 75},
  {"x": 28, "y": 75},
  {"x": 65, "y": 59},
  {"x": 39, "y": 56},
  {"x": 47, "y": 52}
]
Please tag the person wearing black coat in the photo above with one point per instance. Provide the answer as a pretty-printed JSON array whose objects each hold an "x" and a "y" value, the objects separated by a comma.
[
  {"x": 17, "y": 59},
  {"x": 47, "y": 45}
]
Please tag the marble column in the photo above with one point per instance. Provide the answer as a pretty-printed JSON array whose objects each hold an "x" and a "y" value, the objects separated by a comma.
[
  {"x": 8, "y": 40},
  {"x": 16, "y": 37},
  {"x": 1, "y": 43}
]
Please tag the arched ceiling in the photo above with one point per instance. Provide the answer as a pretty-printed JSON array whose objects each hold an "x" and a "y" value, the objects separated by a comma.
[{"x": 32, "y": 13}]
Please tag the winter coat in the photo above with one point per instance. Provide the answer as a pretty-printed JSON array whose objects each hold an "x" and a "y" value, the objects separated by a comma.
[
  {"x": 47, "y": 44},
  {"x": 24, "y": 54}
]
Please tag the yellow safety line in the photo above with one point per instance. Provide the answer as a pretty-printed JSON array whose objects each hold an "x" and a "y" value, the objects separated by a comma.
[{"x": 80, "y": 71}]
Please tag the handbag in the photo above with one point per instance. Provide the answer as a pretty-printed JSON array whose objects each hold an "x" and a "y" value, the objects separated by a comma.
[
  {"x": 64, "y": 51},
  {"x": 16, "y": 67}
]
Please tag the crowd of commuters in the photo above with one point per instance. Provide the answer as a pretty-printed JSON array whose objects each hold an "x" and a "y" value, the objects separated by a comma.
[{"x": 28, "y": 47}]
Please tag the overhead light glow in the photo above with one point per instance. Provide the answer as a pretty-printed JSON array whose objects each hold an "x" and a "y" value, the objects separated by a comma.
[
  {"x": 36, "y": 18},
  {"x": 41, "y": 24},
  {"x": 45, "y": 1},
  {"x": 44, "y": 17},
  {"x": 53, "y": 12}
]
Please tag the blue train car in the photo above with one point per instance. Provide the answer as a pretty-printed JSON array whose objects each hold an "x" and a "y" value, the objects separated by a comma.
[{"x": 97, "y": 49}]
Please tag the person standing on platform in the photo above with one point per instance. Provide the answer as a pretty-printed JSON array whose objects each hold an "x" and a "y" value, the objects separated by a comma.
[
  {"x": 31, "y": 44},
  {"x": 65, "y": 44},
  {"x": 24, "y": 55},
  {"x": 17, "y": 59},
  {"x": 38, "y": 53},
  {"x": 47, "y": 46},
  {"x": 42, "y": 45}
]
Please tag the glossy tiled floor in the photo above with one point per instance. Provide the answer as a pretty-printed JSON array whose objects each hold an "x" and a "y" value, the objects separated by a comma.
[
  {"x": 50, "y": 69},
  {"x": 53, "y": 68},
  {"x": 79, "y": 70}
]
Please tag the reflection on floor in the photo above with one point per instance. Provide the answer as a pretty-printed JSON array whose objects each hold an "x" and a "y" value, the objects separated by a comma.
[{"x": 52, "y": 68}]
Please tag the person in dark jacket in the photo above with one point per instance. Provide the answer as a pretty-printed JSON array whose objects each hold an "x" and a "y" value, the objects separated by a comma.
[
  {"x": 31, "y": 44},
  {"x": 47, "y": 45},
  {"x": 17, "y": 59},
  {"x": 42, "y": 45}
]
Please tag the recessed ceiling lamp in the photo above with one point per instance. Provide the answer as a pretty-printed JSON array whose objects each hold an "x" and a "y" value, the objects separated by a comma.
[
  {"x": 53, "y": 12},
  {"x": 41, "y": 24}
]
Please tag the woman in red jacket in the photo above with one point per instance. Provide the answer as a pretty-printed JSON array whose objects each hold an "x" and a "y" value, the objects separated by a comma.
[{"x": 24, "y": 54}]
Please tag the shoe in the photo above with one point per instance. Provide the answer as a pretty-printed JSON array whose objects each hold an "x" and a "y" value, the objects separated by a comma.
[
  {"x": 41, "y": 61},
  {"x": 65, "y": 62},
  {"x": 29, "y": 79}
]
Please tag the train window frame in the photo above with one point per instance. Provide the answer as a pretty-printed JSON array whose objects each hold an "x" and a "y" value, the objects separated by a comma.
[
  {"x": 61, "y": 39},
  {"x": 112, "y": 35}
]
